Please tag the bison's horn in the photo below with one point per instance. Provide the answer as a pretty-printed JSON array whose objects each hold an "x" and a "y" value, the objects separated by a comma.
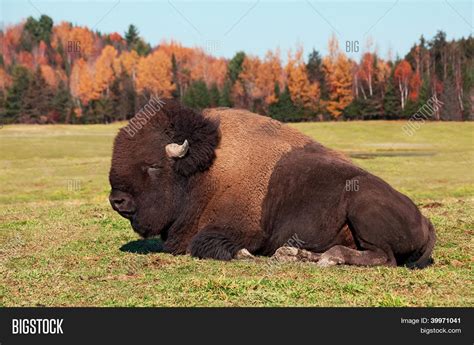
[{"x": 177, "y": 151}]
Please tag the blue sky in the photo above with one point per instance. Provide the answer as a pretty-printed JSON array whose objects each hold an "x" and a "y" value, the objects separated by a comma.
[{"x": 225, "y": 27}]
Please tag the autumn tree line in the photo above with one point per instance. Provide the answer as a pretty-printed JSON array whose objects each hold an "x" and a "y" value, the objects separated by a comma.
[{"x": 70, "y": 74}]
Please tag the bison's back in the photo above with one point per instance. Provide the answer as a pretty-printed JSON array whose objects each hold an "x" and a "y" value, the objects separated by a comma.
[{"x": 250, "y": 147}]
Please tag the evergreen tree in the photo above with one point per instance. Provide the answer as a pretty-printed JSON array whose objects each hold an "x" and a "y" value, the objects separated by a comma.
[
  {"x": 128, "y": 102},
  {"x": 2, "y": 107},
  {"x": 103, "y": 110},
  {"x": 197, "y": 95},
  {"x": 315, "y": 72},
  {"x": 45, "y": 24},
  {"x": 16, "y": 92},
  {"x": 425, "y": 92},
  {"x": 224, "y": 99},
  {"x": 391, "y": 102},
  {"x": 175, "y": 71},
  {"x": 283, "y": 109},
  {"x": 466, "y": 47},
  {"x": 364, "y": 109},
  {"x": 354, "y": 110},
  {"x": 411, "y": 107},
  {"x": 450, "y": 109},
  {"x": 37, "y": 100},
  {"x": 35, "y": 31},
  {"x": 135, "y": 42},
  {"x": 123, "y": 97},
  {"x": 62, "y": 103},
  {"x": 372, "y": 108},
  {"x": 235, "y": 66},
  {"x": 131, "y": 36},
  {"x": 142, "y": 48},
  {"x": 214, "y": 96},
  {"x": 438, "y": 52}
]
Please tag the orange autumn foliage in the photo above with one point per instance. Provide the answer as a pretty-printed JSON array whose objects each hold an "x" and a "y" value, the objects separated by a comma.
[
  {"x": 82, "y": 82},
  {"x": 403, "y": 73},
  {"x": 49, "y": 75},
  {"x": 127, "y": 62},
  {"x": 415, "y": 83},
  {"x": 5, "y": 79},
  {"x": 61, "y": 34},
  {"x": 26, "y": 59},
  {"x": 303, "y": 93},
  {"x": 154, "y": 74},
  {"x": 104, "y": 71},
  {"x": 257, "y": 80},
  {"x": 270, "y": 74},
  {"x": 194, "y": 64},
  {"x": 338, "y": 71},
  {"x": 39, "y": 54},
  {"x": 9, "y": 41},
  {"x": 115, "y": 37},
  {"x": 382, "y": 71},
  {"x": 85, "y": 40}
]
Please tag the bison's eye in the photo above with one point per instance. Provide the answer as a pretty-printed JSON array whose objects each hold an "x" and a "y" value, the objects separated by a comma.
[{"x": 153, "y": 168}]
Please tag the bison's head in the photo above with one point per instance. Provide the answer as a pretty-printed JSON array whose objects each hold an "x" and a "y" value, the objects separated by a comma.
[{"x": 152, "y": 166}]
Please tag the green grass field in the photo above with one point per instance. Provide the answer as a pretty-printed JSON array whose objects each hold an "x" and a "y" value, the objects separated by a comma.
[{"x": 60, "y": 240}]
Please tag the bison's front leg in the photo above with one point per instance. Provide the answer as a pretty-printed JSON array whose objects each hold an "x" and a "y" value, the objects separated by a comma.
[
  {"x": 172, "y": 246},
  {"x": 215, "y": 242}
]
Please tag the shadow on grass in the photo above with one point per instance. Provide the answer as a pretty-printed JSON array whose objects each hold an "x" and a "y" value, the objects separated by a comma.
[
  {"x": 371, "y": 155},
  {"x": 153, "y": 245}
]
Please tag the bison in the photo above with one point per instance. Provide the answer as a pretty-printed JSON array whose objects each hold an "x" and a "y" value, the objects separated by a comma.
[{"x": 226, "y": 182}]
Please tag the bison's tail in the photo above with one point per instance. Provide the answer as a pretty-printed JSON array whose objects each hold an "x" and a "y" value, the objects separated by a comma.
[{"x": 423, "y": 258}]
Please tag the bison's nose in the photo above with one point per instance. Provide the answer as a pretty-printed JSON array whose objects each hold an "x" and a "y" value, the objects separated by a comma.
[{"x": 122, "y": 203}]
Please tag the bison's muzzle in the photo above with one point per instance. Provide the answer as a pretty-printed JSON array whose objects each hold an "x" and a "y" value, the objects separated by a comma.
[{"x": 122, "y": 203}]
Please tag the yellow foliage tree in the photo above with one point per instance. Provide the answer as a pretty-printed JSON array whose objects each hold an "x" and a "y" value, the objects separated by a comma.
[
  {"x": 154, "y": 74},
  {"x": 104, "y": 70},
  {"x": 61, "y": 34},
  {"x": 248, "y": 78},
  {"x": 49, "y": 75},
  {"x": 82, "y": 82},
  {"x": 83, "y": 38},
  {"x": 258, "y": 78},
  {"x": 303, "y": 93},
  {"x": 270, "y": 74},
  {"x": 339, "y": 77},
  {"x": 5, "y": 79},
  {"x": 128, "y": 62}
]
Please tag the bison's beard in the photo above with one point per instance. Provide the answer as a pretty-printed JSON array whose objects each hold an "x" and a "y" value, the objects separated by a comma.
[
  {"x": 143, "y": 231},
  {"x": 147, "y": 231}
]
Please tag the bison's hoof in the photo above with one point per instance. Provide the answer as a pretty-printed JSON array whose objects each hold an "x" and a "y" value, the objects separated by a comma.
[
  {"x": 289, "y": 254},
  {"x": 243, "y": 254},
  {"x": 306, "y": 255},
  {"x": 286, "y": 254},
  {"x": 328, "y": 261}
]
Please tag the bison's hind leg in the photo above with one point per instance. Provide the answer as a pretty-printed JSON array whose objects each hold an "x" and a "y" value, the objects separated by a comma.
[{"x": 339, "y": 255}]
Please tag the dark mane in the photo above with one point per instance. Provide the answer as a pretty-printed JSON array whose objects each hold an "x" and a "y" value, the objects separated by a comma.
[{"x": 201, "y": 133}]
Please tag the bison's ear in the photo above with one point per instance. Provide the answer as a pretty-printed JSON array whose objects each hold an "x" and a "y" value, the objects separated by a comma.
[{"x": 194, "y": 140}]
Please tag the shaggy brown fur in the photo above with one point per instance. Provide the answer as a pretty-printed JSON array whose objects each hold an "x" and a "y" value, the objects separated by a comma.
[{"x": 237, "y": 187}]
